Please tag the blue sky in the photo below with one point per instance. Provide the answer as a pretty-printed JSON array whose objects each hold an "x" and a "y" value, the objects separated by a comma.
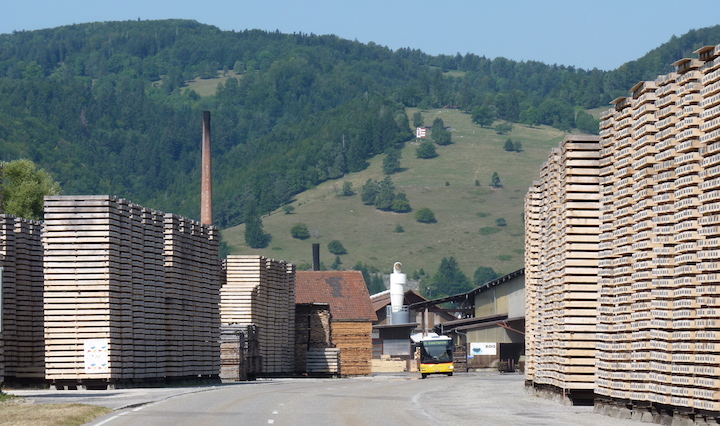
[{"x": 600, "y": 34}]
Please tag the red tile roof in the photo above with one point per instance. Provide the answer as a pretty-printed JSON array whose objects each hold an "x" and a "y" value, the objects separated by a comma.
[{"x": 344, "y": 291}]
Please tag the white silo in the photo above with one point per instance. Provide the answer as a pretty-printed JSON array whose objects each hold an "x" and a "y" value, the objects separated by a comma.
[{"x": 400, "y": 312}]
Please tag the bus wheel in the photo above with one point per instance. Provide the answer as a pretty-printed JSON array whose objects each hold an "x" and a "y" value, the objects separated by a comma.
[
  {"x": 424, "y": 375},
  {"x": 449, "y": 374}
]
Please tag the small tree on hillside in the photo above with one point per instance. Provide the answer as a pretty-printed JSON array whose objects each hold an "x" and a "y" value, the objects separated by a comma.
[
  {"x": 335, "y": 247},
  {"x": 503, "y": 128},
  {"x": 369, "y": 192},
  {"x": 255, "y": 237},
  {"x": 401, "y": 203},
  {"x": 449, "y": 279},
  {"x": 385, "y": 198},
  {"x": 483, "y": 116},
  {"x": 347, "y": 189},
  {"x": 425, "y": 215},
  {"x": 426, "y": 150},
  {"x": 418, "y": 120},
  {"x": 483, "y": 274},
  {"x": 509, "y": 145},
  {"x": 495, "y": 180},
  {"x": 300, "y": 231},
  {"x": 518, "y": 146},
  {"x": 391, "y": 162}
]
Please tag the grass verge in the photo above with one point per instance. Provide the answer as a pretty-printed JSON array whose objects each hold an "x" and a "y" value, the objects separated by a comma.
[{"x": 15, "y": 411}]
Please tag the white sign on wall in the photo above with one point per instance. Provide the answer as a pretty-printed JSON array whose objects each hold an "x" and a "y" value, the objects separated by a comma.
[
  {"x": 96, "y": 356},
  {"x": 482, "y": 348}
]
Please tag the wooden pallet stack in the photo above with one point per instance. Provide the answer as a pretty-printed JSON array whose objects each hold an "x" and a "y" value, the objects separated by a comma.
[
  {"x": 261, "y": 291},
  {"x": 120, "y": 285},
  {"x": 86, "y": 295},
  {"x": 533, "y": 276},
  {"x": 232, "y": 353},
  {"x": 354, "y": 339},
  {"x": 22, "y": 327},
  {"x": 563, "y": 209},
  {"x": 192, "y": 269},
  {"x": 660, "y": 339},
  {"x": 313, "y": 332}
]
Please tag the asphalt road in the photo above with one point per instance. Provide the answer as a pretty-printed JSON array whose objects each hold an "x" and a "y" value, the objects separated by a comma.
[{"x": 404, "y": 399}]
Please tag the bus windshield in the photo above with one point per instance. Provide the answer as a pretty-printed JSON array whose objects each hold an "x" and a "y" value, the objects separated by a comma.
[{"x": 436, "y": 351}]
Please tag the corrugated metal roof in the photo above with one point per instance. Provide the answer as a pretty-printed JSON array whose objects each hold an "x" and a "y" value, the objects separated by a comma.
[{"x": 344, "y": 291}]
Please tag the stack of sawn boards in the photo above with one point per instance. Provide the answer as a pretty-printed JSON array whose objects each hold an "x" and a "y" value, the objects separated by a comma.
[
  {"x": 261, "y": 291},
  {"x": 145, "y": 282},
  {"x": 22, "y": 351}
]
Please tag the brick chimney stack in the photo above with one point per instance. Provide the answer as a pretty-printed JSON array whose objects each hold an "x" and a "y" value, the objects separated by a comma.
[{"x": 206, "y": 195}]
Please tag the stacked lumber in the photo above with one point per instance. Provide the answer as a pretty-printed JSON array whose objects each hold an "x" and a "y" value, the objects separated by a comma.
[
  {"x": 652, "y": 298},
  {"x": 533, "y": 276},
  {"x": 659, "y": 323},
  {"x": 192, "y": 297},
  {"x": 124, "y": 293},
  {"x": 261, "y": 291},
  {"x": 563, "y": 220},
  {"x": 354, "y": 339},
  {"x": 232, "y": 353},
  {"x": 22, "y": 292},
  {"x": 323, "y": 361},
  {"x": 313, "y": 332}
]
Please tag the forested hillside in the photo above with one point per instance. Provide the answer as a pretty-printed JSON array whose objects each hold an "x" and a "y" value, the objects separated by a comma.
[{"x": 106, "y": 106}]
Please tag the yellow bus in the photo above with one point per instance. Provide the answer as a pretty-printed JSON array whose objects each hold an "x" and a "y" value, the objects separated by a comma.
[{"x": 436, "y": 356}]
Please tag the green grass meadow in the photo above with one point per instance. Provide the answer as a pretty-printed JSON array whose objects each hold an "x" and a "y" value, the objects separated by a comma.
[{"x": 445, "y": 184}]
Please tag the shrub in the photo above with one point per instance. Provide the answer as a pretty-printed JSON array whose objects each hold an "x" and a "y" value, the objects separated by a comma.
[
  {"x": 300, "y": 231},
  {"x": 509, "y": 146},
  {"x": 500, "y": 221},
  {"x": 425, "y": 215},
  {"x": 347, "y": 189},
  {"x": 426, "y": 150},
  {"x": 335, "y": 247},
  {"x": 401, "y": 204}
]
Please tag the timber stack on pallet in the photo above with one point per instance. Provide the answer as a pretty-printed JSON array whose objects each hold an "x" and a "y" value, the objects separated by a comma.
[
  {"x": 353, "y": 338},
  {"x": 261, "y": 291},
  {"x": 665, "y": 344},
  {"x": 232, "y": 353},
  {"x": 533, "y": 277},
  {"x": 323, "y": 361},
  {"x": 564, "y": 211},
  {"x": 192, "y": 297},
  {"x": 313, "y": 333},
  {"x": 116, "y": 310},
  {"x": 22, "y": 293},
  {"x": 659, "y": 313}
]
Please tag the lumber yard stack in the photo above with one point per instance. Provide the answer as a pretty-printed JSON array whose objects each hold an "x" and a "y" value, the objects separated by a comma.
[
  {"x": 22, "y": 348},
  {"x": 562, "y": 239},
  {"x": 664, "y": 345},
  {"x": 115, "y": 308},
  {"x": 658, "y": 317},
  {"x": 261, "y": 291},
  {"x": 313, "y": 339},
  {"x": 192, "y": 297}
]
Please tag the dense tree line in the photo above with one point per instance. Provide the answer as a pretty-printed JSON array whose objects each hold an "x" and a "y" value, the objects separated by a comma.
[{"x": 104, "y": 106}]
